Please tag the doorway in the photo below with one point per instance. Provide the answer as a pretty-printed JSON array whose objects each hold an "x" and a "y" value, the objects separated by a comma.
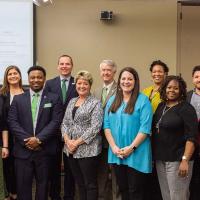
[{"x": 188, "y": 39}]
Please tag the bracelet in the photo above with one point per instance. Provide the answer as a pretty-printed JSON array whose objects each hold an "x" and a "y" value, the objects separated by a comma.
[{"x": 5, "y": 147}]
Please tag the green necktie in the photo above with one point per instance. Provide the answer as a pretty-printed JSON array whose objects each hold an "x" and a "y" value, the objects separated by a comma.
[
  {"x": 34, "y": 105},
  {"x": 64, "y": 90},
  {"x": 104, "y": 95}
]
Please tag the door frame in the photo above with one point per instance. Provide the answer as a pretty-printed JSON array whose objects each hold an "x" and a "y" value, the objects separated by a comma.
[{"x": 179, "y": 31}]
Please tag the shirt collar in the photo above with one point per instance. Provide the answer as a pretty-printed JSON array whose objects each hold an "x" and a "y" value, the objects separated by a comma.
[
  {"x": 66, "y": 78},
  {"x": 194, "y": 92},
  {"x": 108, "y": 86},
  {"x": 32, "y": 92}
]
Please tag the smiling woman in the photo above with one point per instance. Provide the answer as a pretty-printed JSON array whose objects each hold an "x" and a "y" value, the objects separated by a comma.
[
  {"x": 12, "y": 85},
  {"x": 80, "y": 128},
  {"x": 175, "y": 129},
  {"x": 127, "y": 126},
  {"x": 158, "y": 70},
  {"x": 83, "y": 82},
  {"x": 2, "y": 196}
]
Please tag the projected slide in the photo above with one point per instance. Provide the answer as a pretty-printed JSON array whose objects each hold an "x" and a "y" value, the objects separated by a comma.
[{"x": 16, "y": 35}]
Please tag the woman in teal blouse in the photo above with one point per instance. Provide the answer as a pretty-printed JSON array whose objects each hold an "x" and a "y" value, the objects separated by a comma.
[{"x": 127, "y": 125}]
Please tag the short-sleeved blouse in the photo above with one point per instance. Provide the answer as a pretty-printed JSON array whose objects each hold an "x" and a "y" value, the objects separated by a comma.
[{"x": 124, "y": 128}]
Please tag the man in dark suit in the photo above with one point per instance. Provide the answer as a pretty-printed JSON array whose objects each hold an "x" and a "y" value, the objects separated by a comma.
[
  {"x": 64, "y": 86},
  {"x": 107, "y": 71},
  {"x": 34, "y": 119}
]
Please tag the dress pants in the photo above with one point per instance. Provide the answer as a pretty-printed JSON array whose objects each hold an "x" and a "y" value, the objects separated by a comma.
[
  {"x": 173, "y": 187},
  {"x": 37, "y": 166},
  {"x": 69, "y": 183},
  {"x": 2, "y": 189},
  {"x": 85, "y": 174},
  {"x": 153, "y": 192},
  {"x": 55, "y": 173},
  {"x": 131, "y": 182},
  {"x": 9, "y": 174},
  {"x": 195, "y": 181},
  {"x": 108, "y": 188}
]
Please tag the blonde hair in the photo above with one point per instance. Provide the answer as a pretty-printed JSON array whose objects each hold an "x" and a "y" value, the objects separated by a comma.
[{"x": 84, "y": 75}]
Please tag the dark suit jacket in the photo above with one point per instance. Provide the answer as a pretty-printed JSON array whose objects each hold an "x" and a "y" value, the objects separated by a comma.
[
  {"x": 54, "y": 86},
  {"x": 189, "y": 96},
  {"x": 48, "y": 123},
  {"x": 1, "y": 117},
  {"x": 6, "y": 106}
]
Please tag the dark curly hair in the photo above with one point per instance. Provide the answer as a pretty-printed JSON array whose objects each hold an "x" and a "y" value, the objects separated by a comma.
[
  {"x": 162, "y": 64},
  {"x": 182, "y": 87},
  {"x": 37, "y": 67}
]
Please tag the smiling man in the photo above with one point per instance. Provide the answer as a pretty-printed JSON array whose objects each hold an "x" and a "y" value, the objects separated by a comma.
[
  {"x": 108, "y": 70},
  {"x": 193, "y": 97},
  {"x": 62, "y": 85},
  {"x": 34, "y": 119}
]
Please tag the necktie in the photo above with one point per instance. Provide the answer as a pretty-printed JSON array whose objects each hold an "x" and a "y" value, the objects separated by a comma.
[
  {"x": 34, "y": 105},
  {"x": 104, "y": 95},
  {"x": 64, "y": 90}
]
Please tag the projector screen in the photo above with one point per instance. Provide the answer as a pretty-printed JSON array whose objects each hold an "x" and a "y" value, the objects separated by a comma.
[{"x": 16, "y": 36}]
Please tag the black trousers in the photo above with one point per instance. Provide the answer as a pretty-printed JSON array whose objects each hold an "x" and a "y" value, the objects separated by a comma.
[
  {"x": 152, "y": 191},
  {"x": 69, "y": 183},
  {"x": 104, "y": 184},
  {"x": 9, "y": 174},
  {"x": 85, "y": 174},
  {"x": 195, "y": 181},
  {"x": 55, "y": 176},
  {"x": 131, "y": 182},
  {"x": 26, "y": 169}
]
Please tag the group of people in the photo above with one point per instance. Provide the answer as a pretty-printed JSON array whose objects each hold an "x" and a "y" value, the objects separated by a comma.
[{"x": 109, "y": 140}]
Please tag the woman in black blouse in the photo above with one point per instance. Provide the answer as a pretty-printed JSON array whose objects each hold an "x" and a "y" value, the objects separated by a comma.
[
  {"x": 12, "y": 85},
  {"x": 1, "y": 163},
  {"x": 175, "y": 129}
]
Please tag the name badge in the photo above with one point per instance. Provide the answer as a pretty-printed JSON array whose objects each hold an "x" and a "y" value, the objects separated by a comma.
[{"x": 47, "y": 105}]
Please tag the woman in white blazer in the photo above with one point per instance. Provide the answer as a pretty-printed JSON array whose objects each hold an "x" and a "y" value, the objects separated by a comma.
[{"x": 80, "y": 128}]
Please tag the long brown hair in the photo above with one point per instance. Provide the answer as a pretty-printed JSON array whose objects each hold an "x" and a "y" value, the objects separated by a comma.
[
  {"x": 6, "y": 87},
  {"x": 119, "y": 94}
]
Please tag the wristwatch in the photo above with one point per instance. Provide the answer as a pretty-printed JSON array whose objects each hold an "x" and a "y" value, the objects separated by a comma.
[
  {"x": 134, "y": 148},
  {"x": 184, "y": 158}
]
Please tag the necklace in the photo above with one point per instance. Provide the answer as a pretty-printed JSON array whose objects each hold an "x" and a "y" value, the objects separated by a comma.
[{"x": 165, "y": 110}]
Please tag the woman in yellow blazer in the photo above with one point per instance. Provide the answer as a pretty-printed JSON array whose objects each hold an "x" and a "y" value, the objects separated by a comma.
[{"x": 158, "y": 70}]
